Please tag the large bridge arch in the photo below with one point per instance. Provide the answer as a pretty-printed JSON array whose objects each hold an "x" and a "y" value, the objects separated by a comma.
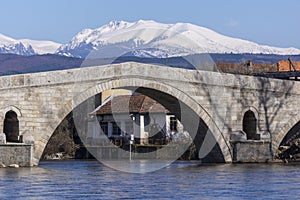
[
  {"x": 138, "y": 83},
  {"x": 285, "y": 130}
]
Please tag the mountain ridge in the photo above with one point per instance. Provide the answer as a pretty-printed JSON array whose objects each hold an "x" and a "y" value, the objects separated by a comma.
[
  {"x": 167, "y": 40},
  {"x": 16, "y": 64},
  {"x": 143, "y": 38}
]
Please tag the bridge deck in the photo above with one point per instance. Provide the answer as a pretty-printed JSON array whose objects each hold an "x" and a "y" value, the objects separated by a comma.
[{"x": 292, "y": 75}]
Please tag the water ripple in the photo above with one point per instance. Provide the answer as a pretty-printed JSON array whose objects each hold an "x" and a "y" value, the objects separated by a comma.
[{"x": 181, "y": 180}]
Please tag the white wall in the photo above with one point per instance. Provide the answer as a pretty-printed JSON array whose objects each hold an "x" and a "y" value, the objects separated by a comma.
[{"x": 139, "y": 128}]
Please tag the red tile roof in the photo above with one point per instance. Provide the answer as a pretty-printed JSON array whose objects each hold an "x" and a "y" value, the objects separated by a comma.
[
  {"x": 285, "y": 66},
  {"x": 136, "y": 103}
]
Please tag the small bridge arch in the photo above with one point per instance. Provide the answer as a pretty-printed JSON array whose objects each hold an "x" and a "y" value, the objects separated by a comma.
[
  {"x": 11, "y": 116},
  {"x": 250, "y": 123}
]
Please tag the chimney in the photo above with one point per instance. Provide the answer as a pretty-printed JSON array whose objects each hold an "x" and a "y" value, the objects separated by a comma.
[{"x": 249, "y": 63}]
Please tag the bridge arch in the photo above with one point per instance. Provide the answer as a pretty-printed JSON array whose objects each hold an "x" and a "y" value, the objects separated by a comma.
[
  {"x": 144, "y": 86},
  {"x": 11, "y": 108},
  {"x": 249, "y": 124},
  {"x": 11, "y": 126},
  {"x": 285, "y": 130},
  {"x": 11, "y": 116},
  {"x": 250, "y": 121}
]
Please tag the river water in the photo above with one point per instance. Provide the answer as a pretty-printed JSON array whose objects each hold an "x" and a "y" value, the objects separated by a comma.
[{"x": 180, "y": 180}]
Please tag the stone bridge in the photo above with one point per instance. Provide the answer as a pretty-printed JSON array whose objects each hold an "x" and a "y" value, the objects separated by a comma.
[{"x": 247, "y": 117}]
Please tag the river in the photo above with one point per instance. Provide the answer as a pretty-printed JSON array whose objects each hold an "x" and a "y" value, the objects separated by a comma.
[{"x": 180, "y": 180}]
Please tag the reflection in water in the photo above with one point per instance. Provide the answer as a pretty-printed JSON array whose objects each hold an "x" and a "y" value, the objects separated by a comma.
[{"x": 180, "y": 180}]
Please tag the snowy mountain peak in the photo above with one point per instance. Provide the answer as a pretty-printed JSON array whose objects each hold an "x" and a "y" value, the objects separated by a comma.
[
  {"x": 9, "y": 45},
  {"x": 5, "y": 40},
  {"x": 148, "y": 38},
  {"x": 26, "y": 47}
]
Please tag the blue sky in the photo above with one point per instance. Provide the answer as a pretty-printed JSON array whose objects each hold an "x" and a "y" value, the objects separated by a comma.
[{"x": 271, "y": 22}]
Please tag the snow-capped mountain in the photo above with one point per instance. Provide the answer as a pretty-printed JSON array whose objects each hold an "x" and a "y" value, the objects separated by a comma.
[
  {"x": 26, "y": 47},
  {"x": 42, "y": 46},
  {"x": 152, "y": 39},
  {"x": 141, "y": 39}
]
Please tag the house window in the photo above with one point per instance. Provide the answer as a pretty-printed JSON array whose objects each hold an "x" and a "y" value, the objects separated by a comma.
[
  {"x": 116, "y": 129},
  {"x": 104, "y": 127},
  {"x": 173, "y": 124}
]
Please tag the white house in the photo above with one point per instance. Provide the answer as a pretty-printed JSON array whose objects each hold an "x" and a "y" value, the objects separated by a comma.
[{"x": 137, "y": 114}]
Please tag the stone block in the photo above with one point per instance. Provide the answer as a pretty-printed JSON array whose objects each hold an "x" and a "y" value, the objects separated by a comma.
[
  {"x": 2, "y": 138},
  {"x": 16, "y": 154},
  {"x": 265, "y": 135},
  {"x": 28, "y": 138},
  {"x": 251, "y": 151},
  {"x": 238, "y": 136}
]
